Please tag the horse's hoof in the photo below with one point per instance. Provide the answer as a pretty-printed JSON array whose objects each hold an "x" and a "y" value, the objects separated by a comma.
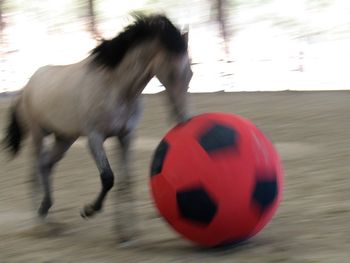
[
  {"x": 128, "y": 237},
  {"x": 87, "y": 212},
  {"x": 123, "y": 240},
  {"x": 42, "y": 213},
  {"x": 128, "y": 242},
  {"x": 44, "y": 209}
]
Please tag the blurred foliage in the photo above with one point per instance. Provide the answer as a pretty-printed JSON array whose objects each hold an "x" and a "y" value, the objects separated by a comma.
[
  {"x": 51, "y": 13},
  {"x": 301, "y": 19}
]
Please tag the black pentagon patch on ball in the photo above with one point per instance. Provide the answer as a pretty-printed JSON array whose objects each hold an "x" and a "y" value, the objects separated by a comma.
[
  {"x": 159, "y": 157},
  {"x": 196, "y": 205},
  {"x": 265, "y": 193},
  {"x": 217, "y": 138}
]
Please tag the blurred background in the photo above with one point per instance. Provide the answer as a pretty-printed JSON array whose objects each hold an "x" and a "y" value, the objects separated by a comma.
[{"x": 235, "y": 45}]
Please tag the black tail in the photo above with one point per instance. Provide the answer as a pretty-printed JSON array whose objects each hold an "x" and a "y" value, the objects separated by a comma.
[{"x": 13, "y": 134}]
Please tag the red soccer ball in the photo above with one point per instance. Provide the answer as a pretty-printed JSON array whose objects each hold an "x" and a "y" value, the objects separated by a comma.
[{"x": 216, "y": 179}]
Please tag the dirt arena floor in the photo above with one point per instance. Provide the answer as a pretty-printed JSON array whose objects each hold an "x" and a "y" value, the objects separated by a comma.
[{"x": 311, "y": 130}]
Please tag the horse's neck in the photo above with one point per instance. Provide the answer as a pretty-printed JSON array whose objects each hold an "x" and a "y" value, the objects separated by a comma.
[{"x": 135, "y": 71}]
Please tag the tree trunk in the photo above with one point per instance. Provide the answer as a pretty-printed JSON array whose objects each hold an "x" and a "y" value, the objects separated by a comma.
[
  {"x": 91, "y": 18},
  {"x": 221, "y": 8},
  {"x": 2, "y": 23}
]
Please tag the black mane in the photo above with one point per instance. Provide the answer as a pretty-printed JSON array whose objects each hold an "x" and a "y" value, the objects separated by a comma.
[{"x": 111, "y": 52}]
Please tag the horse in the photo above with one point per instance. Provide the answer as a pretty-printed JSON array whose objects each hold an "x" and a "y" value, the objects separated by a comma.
[{"x": 97, "y": 98}]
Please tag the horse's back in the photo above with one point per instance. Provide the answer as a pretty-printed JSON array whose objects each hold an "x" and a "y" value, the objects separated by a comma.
[{"x": 51, "y": 97}]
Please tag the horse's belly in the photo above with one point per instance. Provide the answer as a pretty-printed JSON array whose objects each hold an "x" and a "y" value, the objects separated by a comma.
[
  {"x": 62, "y": 124},
  {"x": 55, "y": 114}
]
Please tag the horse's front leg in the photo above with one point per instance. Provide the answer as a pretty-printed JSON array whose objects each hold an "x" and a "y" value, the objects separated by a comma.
[
  {"x": 125, "y": 209},
  {"x": 107, "y": 179}
]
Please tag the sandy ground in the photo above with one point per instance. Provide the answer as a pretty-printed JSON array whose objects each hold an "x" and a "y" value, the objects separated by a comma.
[{"x": 311, "y": 130}]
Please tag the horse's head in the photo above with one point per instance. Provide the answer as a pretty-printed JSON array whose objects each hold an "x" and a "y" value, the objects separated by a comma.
[
  {"x": 162, "y": 48},
  {"x": 173, "y": 70}
]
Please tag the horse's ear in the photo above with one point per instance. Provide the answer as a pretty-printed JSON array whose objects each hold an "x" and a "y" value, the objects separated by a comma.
[
  {"x": 185, "y": 32},
  {"x": 185, "y": 36}
]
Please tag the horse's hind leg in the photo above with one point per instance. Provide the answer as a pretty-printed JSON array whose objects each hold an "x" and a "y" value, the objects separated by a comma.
[
  {"x": 107, "y": 178},
  {"x": 46, "y": 161},
  {"x": 38, "y": 145}
]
